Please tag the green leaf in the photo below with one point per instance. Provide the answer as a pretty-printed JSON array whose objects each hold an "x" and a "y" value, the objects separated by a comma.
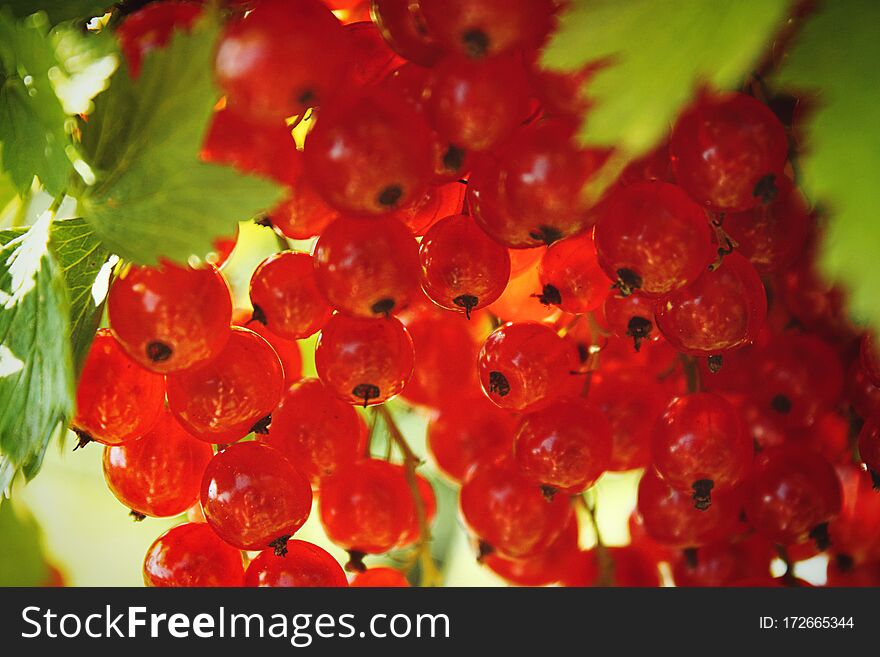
[
  {"x": 658, "y": 53},
  {"x": 834, "y": 58},
  {"x": 81, "y": 257},
  {"x": 33, "y": 124},
  {"x": 153, "y": 197},
  {"x": 22, "y": 562},
  {"x": 36, "y": 373},
  {"x": 86, "y": 62},
  {"x": 59, "y": 10}
]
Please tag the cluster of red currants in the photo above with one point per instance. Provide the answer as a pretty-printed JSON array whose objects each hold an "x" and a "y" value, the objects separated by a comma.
[{"x": 677, "y": 325}]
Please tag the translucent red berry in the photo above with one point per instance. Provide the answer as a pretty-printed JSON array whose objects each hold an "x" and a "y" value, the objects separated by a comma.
[
  {"x": 231, "y": 395},
  {"x": 869, "y": 448},
  {"x": 544, "y": 568},
  {"x": 564, "y": 446},
  {"x": 524, "y": 366},
  {"x": 304, "y": 565},
  {"x": 571, "y": 277},
  {"x": 372, "y": 58},
  {"x": 701, "y": 446},
  {"x": 158, "y": 475},
  {"x": 403, "y": 27},
  {"x": 117, "y": 400},
  {"x": 364, "y": 361},
  {"x": 170, "y": 318},
  {"x": 652, "y": 238},
  {"x": 151, "y": 27},
  {"x": 315, "y": 430},
  {"x": 721, "y": 310},
  {"x": 380, "y": 577},
  {"x": 191, "y": 554},
  {"x": 288, "y": 350},
  {"x": 367, "y": 268},
  {"x": 727, "y": 152},
  {"x": 286, "y": 298},
  {"x": 631, "y": 317},
  {"x": 508, "y": 512},
  {"x": 870, "y": 358},
  {"x": 462, "y": 268},
  {"x": 254, "y": 498}
]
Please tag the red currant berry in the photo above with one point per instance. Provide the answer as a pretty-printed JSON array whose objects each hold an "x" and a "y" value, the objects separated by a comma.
[
  {"x": 438, "y": 202},
  {"x": 304, "y": 565},
  {"x": 462, "y": 268},
  {"x": 413, "y": 532},
  {"x": 282, "y": 57},
  {"x": 367, "y": 506},
  {"x": 438, "y": 380},
  {"x": 631, "y": 401},
  {"x": 571, "y": 277},
  {"x": 652, "y": 238},
  {"x": 723, "y": 309},
  {"x": 303, "y": 214},
  {"x": 380, "y": 577},
  {"x": 509, "y": 513},
  {"x": 530, "y": 191},
  {"x": 117, "y": 400},
  {"x": 518, "y": 302},
  {"x": 854, "y": 530},
  {"x": 869, "y": 448},
  {"x": 631, "y": 317},
  {"x": 367, "y": 268},
  {"x": 477, "y": 105},
  {"x": 870, "y": 358},
  {"x": 469, "y": 432},
  {"x": 372, "y": 59},
  {"x": 565, "y": 446},
  {"x": 288, "y": 350},
  {"x": 286, "y": 298},
  {"x": 728, "y": 151},
  {"x": 315, "y": 430},
  {"x": 773, "y": 235},
  {"x": 151, "y": 28},
  {"x": 671, "y": 518},
  {"x": 701, "y": 446},
  {"x": 369, "y": 153},
  {"x": 545, "y": 567},
  {"x": 233, "y": 394},
  {"x": 191, "y": 554},
  {"x": 254, "y": 498},
  {"x": 364, "y": 361},
  {"x": 721, "y": 564},
  {"x": 170, "y": 318},
  {"x": 158, "y": 475},
  {"x": 403, "y": 27},
  {"x": 792, "y": 495},
  {"x": 523, "y": 366},
  {"x": 482, "y": 28}
]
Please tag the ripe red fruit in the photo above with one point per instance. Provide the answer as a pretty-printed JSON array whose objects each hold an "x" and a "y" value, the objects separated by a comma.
[
  {"x": 151, "y": 28},
  {"x": 471, "y": 431},
  {"x": 117, "y": 400},
  {"x": 565, "y": 446},
  {"x": 225, "y": 399},
  {"x": 303, "y": 214},
  {"x": 632, "y": 567},
  {"x": 793, "y": 494},
  {"x": 438, "y": 202},
  {"x": 413, "y": 532},
  {"x": 525, "y": 366},
  {"x": 367, "y": 506},
  {"x": 727, "y": 152},
  {"x": 170, "y": 318},
  {"x": 509, "y": 513},
  {"x": 315, "y": 430},
  {"x": 369, "y": 153},
  {"x": 286, "y": 298},
  {"x": 254, "y": 498},
  {"x": 476, "y": 105},
  {"x": 439, "y": 380},
  {"x": 869, "y": 448},
  {"x": 854, "y": 531},
  {"x": 367, "y": 267},
  {"x": 869, "y": 357},
  {"x": 158, "y": 475},
  {"x": 483, "y": 28},
  {"x": 632, "y": 317},
  {"x": 518, "y": 302},
  {"x": 631, "y": 401},
  {"x": 772, "y": 235},
  {"x": 671, "y": 518},
  {"x": 381, "y": 577},
  {"x": 282, "y": 58},
  {"x": 571, "y": 277},
  {"x": 288, "y": 350},
  {"x": 364, "y": 361},
  {"x": 530, "y": 191},
  {"x": 652, "y": 238},
  {"x": 372, "y": 58},
  {"x": 462, "y": 268},
  {"x": 723, "y": 309},
  {"x": 546, "y": 567},
  {"x": 304, "y": 565},
  {"x": 701, "y": 446},
  {"x": 721, "y": 564},
  {"x": 403, "y": 27},
  {"x": 191, "y": 554}
]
